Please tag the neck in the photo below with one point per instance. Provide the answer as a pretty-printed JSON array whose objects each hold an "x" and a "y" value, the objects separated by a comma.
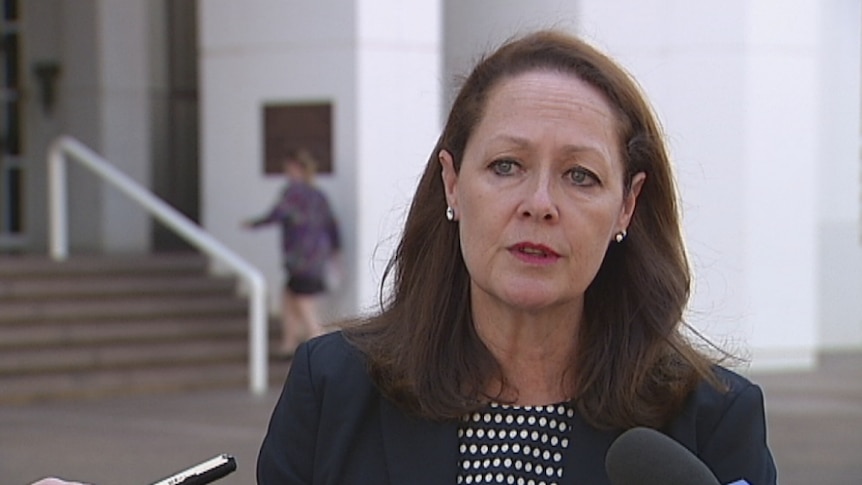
[{"x": 534, "y": 354}]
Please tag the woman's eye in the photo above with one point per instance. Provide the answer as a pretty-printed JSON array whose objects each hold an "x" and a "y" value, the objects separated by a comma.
[
  {"x": 504, "y": 167},
  {"x": 582, "y": 176}
]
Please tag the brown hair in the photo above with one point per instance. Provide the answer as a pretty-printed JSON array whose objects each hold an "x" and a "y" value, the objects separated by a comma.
[
  {"x": 305, "y": 160},
  {"x": 633, "y": 366}
]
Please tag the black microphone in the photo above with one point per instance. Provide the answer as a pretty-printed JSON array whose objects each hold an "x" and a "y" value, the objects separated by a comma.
[{"x": 643, "y": 456}]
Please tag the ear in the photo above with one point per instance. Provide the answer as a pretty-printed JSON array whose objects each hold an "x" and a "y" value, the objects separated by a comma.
[
  {"x": 450, "y": 179},
  {"x": 630, "y": 199}
]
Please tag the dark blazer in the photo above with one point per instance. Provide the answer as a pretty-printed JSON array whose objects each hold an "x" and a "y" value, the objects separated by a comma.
[{"x": 332, "y": 426}]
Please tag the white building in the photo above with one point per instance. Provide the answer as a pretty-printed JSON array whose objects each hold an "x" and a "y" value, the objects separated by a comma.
[{"x": 760, "y": 100}]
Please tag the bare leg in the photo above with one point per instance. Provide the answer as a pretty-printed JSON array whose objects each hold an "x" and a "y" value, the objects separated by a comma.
[
  {"x": 309, "y": 319},
  {"x": 300, "y": 320},
  {"x": 290, "y": 323}
]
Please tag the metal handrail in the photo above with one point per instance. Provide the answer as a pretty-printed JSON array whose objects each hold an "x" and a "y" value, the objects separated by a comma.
[{"x": 175, "y": 220}]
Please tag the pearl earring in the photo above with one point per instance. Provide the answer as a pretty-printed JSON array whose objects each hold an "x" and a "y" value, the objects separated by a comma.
[
  {"x": 620, "y": 236},
  {"x": 450, "y": 214}
]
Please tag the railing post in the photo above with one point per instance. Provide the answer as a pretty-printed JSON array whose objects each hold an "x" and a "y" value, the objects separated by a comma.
[
  {"x": 258, "y": 354},
  {"x": 58, "y": 218}
]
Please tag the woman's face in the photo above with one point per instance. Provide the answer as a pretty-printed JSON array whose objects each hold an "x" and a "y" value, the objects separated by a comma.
[
  {"x": 540, "y": 193},
  {"x": 293, "y": 170}
]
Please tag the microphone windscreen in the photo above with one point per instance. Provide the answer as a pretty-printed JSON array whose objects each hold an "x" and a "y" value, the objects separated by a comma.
[{"x": 643, "y": 456}]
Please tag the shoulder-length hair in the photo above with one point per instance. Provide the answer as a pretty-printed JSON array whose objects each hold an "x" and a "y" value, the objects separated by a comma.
[{"x": 633, "y": 365}]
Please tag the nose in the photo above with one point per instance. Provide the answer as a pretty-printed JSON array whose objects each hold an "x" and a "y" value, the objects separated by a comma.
[{"x": 539, "y": 202}]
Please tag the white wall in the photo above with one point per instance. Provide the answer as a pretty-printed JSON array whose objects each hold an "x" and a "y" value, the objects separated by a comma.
[
  {"x": 477, "y": 27},
  {"x": 258, "y": 52},
  {"x": 750, "y": 95},
  {"x": 839, "y": 179},
  {"x": 782, "y": 101},
  {"x": 397, "y": 124},
  {"x": 379, "y": 68}
]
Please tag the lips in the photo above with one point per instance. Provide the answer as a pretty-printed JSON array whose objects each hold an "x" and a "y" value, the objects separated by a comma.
[{"x": 532, "y": 251}]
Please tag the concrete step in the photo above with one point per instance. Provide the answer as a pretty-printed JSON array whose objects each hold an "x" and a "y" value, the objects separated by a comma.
[
  {"x": 78, "y": 358},
  {"x": 97, "y": 326},
  {"x": 30, "y": 312},
  {"x": 122, "y": 331},
  {"x": 36, "y": 288},
  {"x": 29, "y": 389},
  {"x": 35, "y": 265}
]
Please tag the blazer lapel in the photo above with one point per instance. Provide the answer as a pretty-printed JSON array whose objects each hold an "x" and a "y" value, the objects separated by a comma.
[
  {"x": 418, "y": 451},
  {"x": 585, "y": 456}
]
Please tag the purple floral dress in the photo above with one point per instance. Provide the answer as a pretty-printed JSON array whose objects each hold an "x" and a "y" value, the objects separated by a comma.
[{"x": 309, "y": 232}]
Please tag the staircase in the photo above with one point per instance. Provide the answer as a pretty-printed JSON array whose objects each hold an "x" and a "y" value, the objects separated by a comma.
[{"x": 96, "y": 326}]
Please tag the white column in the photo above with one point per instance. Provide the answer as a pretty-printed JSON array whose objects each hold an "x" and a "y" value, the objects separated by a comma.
[
  {"x": 840, "y": 176},
  {"x": 79, "y": 115},
  {"x": 104, "y": 50},
  {"x": 737, "y": 87},
  {"x": 398, "y": 84},
  {"x": 125, "y": 80},
  {"x": 783, "y": 172}
]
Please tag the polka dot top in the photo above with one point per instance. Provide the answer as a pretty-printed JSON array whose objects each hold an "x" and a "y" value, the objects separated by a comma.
[{"x": 519, "y": 445}]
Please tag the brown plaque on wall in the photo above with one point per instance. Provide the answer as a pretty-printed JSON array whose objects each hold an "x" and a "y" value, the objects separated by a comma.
[{"x": 296, "y": 126}]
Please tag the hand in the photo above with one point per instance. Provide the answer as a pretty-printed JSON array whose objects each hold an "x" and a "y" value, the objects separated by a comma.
[
  {"x": 334, "y": 274},
  {"x": 55, "y": 481}
]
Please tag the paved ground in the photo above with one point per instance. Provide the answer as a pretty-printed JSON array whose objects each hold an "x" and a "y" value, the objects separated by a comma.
[{"x": 815, "y": 421}]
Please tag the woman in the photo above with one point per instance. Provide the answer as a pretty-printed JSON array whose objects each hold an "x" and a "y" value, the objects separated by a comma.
[
  {"x": 309, "y": 241},
  {"x": 537, "y": 298}
]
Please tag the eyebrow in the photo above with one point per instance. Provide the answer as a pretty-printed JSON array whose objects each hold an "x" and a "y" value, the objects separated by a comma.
[
  {"x": 515, "y": 140},
  {"x": 568, "y": 149}
]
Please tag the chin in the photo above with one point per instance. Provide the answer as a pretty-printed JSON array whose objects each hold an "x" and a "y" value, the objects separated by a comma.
[{"x": 532, "y": 300}]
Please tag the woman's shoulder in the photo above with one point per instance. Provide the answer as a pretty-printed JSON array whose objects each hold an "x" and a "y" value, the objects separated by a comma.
[
  {"x": 335, "y": 373},
  {"x": 736, "y": 399},
  {"x": 733, "y": 389},
  {"x": 725, "y": 426},
  {"x": 732, "y": 379},
  {"x": 331, "y": 357},
  {"x": 332, "y": 347}
]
